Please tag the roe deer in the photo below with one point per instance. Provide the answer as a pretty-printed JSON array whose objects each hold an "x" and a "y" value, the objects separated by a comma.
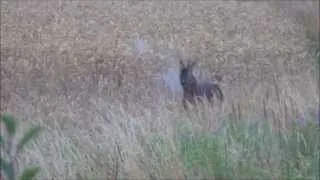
[{"x": 192, "y": 90}]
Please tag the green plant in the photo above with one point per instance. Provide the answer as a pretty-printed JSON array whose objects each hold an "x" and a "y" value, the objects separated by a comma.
[{"x": 9, "y": 153}]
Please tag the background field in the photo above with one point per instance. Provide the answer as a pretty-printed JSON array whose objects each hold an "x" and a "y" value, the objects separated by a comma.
[{"x": 102, "y": 78}]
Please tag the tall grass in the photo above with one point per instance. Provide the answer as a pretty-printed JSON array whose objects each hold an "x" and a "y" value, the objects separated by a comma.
[
  {"x": 252, "y": 151},
  {"x": 101, "y": 79}
]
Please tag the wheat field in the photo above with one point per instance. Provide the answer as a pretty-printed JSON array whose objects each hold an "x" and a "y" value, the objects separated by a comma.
[{"x": 102, "y": 78}]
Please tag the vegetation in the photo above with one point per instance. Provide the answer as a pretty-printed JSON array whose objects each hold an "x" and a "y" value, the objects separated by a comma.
[
  {"x": 10, "y": 154},
  {"x": 102, "y": 78}
]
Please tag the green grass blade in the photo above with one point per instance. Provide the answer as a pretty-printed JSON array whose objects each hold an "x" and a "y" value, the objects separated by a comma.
[
  {"x": 10, "y": 123},
  {"x": 29, "y": 173},
  {"x": 33, "y": 132},
  {"x": 6, "y": 168},
  {"x": 1, "y": 140}
]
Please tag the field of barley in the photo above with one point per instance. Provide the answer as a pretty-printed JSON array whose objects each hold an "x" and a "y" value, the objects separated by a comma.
[{"x": 102, "y": 79}]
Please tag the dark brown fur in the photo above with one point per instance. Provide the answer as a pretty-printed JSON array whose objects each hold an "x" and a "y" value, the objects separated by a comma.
[{"x": 193, "y": 91}]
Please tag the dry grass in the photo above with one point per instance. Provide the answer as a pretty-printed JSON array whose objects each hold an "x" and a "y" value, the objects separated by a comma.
[{"x": 100, "y": 75}]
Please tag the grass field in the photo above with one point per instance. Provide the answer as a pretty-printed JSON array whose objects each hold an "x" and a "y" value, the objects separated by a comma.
[{"x": 101, "y": 77}]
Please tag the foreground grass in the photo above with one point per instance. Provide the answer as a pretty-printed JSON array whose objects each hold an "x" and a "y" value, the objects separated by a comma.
[
  {"x": 64, "y": 64},
  {"x": 9, "y": 153},
  {"x": 253, "y": 150},
  {"x": 247, "y": 149}
]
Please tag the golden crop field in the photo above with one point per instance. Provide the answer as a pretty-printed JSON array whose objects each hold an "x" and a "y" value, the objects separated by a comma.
[{"x": 102, "y": 78}]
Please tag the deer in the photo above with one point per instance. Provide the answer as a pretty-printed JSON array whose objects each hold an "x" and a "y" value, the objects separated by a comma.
[{"x": 194, "y": 91}]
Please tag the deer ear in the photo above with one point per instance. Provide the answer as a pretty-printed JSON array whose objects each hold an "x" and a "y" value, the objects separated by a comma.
[{"x": 181, "y": 64}]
